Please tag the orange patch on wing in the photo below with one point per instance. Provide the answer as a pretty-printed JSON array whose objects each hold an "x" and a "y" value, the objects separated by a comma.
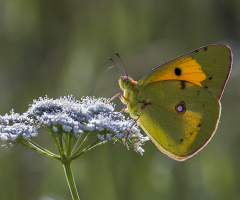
[{"x": 188, "y": 70}]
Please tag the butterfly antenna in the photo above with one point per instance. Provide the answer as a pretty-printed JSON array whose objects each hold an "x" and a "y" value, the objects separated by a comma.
[
  {"x": 117, "y": 65},
  {"x": 122, "y": 63},
  {"x": 100, "y": 81}
]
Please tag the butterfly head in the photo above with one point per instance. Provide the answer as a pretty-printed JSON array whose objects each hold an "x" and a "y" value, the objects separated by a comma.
[{"x": 126, "y": 83}]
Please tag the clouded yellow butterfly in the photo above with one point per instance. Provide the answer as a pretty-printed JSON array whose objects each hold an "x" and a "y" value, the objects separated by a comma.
[{"x": 178, "y": 103}]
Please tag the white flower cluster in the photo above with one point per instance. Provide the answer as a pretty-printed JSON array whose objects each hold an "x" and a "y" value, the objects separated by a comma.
[
  {"x": 73, "y": 116},
  {"x": 14, "y": 125}
]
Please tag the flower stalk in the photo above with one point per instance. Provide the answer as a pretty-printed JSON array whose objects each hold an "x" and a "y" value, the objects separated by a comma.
[{"x": 70, "y": 181}]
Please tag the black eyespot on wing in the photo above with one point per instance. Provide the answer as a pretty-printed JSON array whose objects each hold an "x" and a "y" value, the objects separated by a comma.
[
  {"x": 210, "y": 78},
  {"x": 181, "y": 140},
  {"x": 206, "y": 87},
  {"x": 178, "y": 71},
  {"x": 199, "y": 125}
]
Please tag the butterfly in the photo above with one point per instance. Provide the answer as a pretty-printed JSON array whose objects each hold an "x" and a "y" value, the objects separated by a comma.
[{"x": 177, "y": 104}]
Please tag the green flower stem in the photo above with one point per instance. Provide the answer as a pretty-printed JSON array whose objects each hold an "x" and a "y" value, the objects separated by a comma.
[
  {"x": 68, "y": 147},
  {"x": 70, "y": 180},
  {"x": 77, "y": 148},
  {"x": 60, "y": 139},
  {"x": 30, "y": 144},
  {"x": 78, "y": 142},
  {"x": 55, "y": 139},
  {"x": 98, "y": 144},
  {"x": 77, "y": 154},
  {"x": 88, "y": 148},
  {"x": 43, "y": 150}
]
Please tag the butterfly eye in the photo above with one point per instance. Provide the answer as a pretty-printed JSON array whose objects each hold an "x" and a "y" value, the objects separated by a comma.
[{"x": 126, "y": 83}]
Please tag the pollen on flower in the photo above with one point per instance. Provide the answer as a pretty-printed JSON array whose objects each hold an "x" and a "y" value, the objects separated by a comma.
[{"x": 68, "y": 115}]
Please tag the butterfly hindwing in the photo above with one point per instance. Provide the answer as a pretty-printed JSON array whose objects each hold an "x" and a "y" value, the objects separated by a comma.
[{"x": 180, "y": 121}]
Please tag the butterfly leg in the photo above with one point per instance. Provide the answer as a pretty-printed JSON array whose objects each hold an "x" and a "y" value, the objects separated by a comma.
[
  {"x": 121, "y": 97},
  {"x": 135, "y": 121},
  {"x": 125, "y": 107},
  {"x": 117, "y": 95}
]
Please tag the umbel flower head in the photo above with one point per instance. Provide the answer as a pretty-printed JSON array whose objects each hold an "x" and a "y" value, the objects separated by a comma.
[
  {"x": 75, "y": 126},
  {"x": 66, "y": 118}
]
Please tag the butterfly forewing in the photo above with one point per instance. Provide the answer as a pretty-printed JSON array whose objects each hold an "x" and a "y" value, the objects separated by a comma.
[{"x": 208, "y": 67}]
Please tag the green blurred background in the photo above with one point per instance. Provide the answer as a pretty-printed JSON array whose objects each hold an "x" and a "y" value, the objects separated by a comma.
[{"x": 57, "y": 48}]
